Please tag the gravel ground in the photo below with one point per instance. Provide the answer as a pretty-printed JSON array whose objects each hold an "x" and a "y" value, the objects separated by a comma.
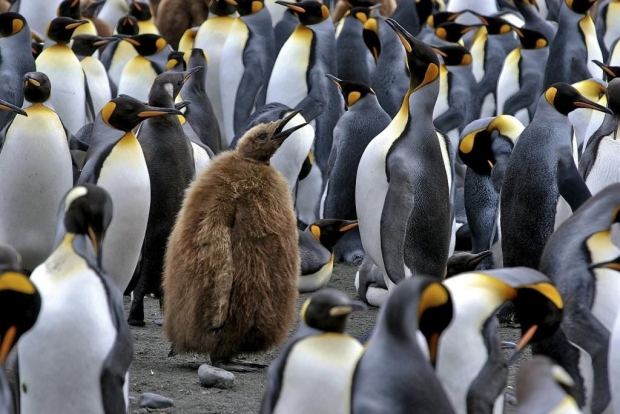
[{"x": 177, "y": 377}]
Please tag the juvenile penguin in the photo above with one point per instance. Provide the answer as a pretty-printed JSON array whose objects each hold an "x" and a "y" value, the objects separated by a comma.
[
  {"x": 370, "y": 284},
  {"x": 318, "y": 360},
  {"x": 570, "y": 57},
  {"x": 169, "y": 159},
  {"x": 355, "y": 61},
  {"x": 394, "y": 354},
  {"x": 363, "y": 120},
  {"x": 81, "y": 319},
  {"x": 571, "y": 259},
  {"x": 222, "y": 247},
  {"x": 63, "y": 68},
  {"x": 316, "y": 248},
  {"x": 35, "y": 173},
  {"x": 485, "y": 147},
  {"x": 116, "y": 162},
  {"x": 541, "y": 169},
  {"x": 404, "y": 191},
  {"x": 174, "y": 17},
  {"x": 16, "y": 60},
  {"x": 245, "y": 65}
]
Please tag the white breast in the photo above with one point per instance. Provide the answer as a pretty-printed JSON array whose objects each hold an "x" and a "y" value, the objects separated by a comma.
[
  {"x": 125, "y": 175},
  {"x": 137, "y": 79},
  {"x": 612, "y": 25},
  {"x": 314, "y": 281},
  {"x": 98, "y": 83},
  {"x": 592, "y": 47},
  {"x": 478, "y": 56},
  {"x": 35, "y": 174},
  {"x": 75, "y": 323},
  {"x": 122, "y": 55},
  {"x": 442, "y": 105},
  {"x": 309, "y": 195},
  {"x": 508, "y": 83},
  {"x": 318, "y": 374},
  {"x": 201, "y": 158},
  {"x": 290, "y": 157},
  {"x": 614, "y": 366}
]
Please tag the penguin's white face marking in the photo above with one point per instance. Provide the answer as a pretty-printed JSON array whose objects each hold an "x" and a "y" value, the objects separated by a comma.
[{"x": 73, "y": 195}]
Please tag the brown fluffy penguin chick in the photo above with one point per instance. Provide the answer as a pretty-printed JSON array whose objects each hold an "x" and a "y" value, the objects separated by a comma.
[
  {"x": 232, "y": 262},
  {"x": 176, "y": 16}
]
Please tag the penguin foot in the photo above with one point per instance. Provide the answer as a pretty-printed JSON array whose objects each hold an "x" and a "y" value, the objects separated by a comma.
[
  {"x": 135, "y": 322},
  {"x": 237, "y": 365}
]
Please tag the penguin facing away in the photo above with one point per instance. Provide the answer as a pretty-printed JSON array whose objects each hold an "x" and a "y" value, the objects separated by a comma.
[
  {"x": 81, "y": 318},
  {"x": 316, "y": 249},
  {"x": 318, "y": 360},
  {"x": 212, "y": 260}
]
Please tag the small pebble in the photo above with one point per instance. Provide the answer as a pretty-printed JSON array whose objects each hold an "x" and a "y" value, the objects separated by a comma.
[
  {"x": 215, "y": 377},
  {"x": 150, "y": 400}
]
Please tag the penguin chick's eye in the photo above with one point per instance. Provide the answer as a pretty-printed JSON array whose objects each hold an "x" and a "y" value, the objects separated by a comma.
[{"x": 262, "y": 136}]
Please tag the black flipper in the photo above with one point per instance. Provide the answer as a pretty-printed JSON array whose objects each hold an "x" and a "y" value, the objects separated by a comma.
[{"x": 570, "y": 184}]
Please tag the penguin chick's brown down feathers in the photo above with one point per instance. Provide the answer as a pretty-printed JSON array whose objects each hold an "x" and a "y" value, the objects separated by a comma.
[
  {"x": 232, "y": 262},
  {"x": 174, "y": 17}
]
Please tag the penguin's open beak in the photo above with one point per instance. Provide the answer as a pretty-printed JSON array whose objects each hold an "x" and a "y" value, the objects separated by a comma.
[
  {"x": 150, "y": 112},
  {"x": 189, "y": 73},
  {"x": 291, "y": 6},
  {"x": 281, "y": 135},
  {"x": 347, "y": 309},
  {"x": 583, "y": 102},
  {"x": 5, "y": 106}
]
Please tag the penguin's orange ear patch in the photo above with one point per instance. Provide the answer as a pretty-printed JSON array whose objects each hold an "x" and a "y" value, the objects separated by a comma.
[
  {"x": 18, "y": 25},
  {"x": 550, "y": 95},
  {"x": 353, "y": 98}
]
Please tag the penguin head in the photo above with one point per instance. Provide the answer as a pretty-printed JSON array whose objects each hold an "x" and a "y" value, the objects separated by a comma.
[
  {"x": 580, "y": 6},
  {"x": 6, "y": 106},
  {"x": 147, "y": 44},
  {"x": 475, "y": 144},
  {"x": 128, "y": 26},
  {"x": 422, "y": 62},
  {"x": 222, "y": 7},
  {"x": 565, "y": 99},
  {"x": 88, "y": 212},
  {"x": 262, "y": 141},
  {"x": 462, "y": 262},
  {"x": 11, "y": 24},
  {"x": 37, "y": 87},
  {"x": 452, "y": 32},
  {"x": 371, "y": 37},
  {"x": 436, "y": 19},
  {"x": 61, "y": 28},
  {"x": 69, "y": 8},
  {"x": 20, "y": 302},
  {"x": 329, "y": 231},
  {"x": 170, "y": 84},
  {"x": 188, "y": 39},
  {"x": 359, "y": 13},
  {"x": 308, "y": 12},
  {"x": 91, "y": 10},
  {"x": 141, "y": 11},
  {"x": 125, "y": 113},
  {"x": 496, "y": 25},
  {"x": 420, "y": 299},
  {"x": 610, "y": 71},
  {"x": 248, "y": 7},
  {"x": 454, "y": 55},
  {"x": 328, "y": 310},
  {"x": 351, "y": 91},
  {"x": 176, "y": 61},
  {"x": 86, "y": 45},
  {"x": 532, "y": 39}
]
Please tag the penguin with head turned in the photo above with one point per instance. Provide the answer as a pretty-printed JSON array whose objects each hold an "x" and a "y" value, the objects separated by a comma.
[
  {"x": 541, "y": 169},
  {"x": 363, "y": 120},
  {"x": 575, "y": 46},
  {"x": 81, "y": 320},
  {"x": 118, "y": 53},
  {"x": 245, "y": 65},
  {"x": 485, "y": 147},
  {"x": 316, "y": 249},
  {"x": 520, "y": 81},
  {"x": 35, "y": 173},
  {"x": 170, "y": 162},
  {"x": 427, "y": 34},
  {"x": 355, "y": 62},
  {"x": 530, "y": 10},
  {"x": 471, "y": 365},
  {"x": 318, "y": 360},
  {"x": 404, "y": 195},
  {"x": 393, "y": 354},
  {"x": 15, "y": 60}
]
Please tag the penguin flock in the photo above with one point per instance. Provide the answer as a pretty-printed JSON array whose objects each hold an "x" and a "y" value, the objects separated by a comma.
[{"x": 227, "y": 155}]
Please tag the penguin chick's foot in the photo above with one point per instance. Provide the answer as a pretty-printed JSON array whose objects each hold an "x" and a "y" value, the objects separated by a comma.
[{"x": 237, "y": 365}]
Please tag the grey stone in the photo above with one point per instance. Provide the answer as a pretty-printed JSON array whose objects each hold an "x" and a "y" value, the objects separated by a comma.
[
  {"x": 150, "y": 400},
  {"x": 215, "y": 377}
]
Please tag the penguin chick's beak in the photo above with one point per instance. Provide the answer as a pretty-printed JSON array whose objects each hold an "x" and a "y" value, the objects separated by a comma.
[
  {"x": 189, "y": 73},
  {"x": 285, "y": 134},
  {"x": 76, "y": 24},
  {"x": 352, "y": 306},
  {"x": 282, "y": 135},
  {"x": 150, "y": 112},
  {"x": 291, "y": 6},
  {"x": 5, "y": 106},
  {"x": 582, "y": 102}
]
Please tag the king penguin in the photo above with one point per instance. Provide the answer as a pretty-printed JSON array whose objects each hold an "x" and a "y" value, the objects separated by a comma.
[
  {"x": 169, "y": 158},
  {"x": 245, "y": 65},
  {"x": 541, "y": 169},
  {"x": 63, "y": 68},
  {"x": 575, "y": 46},
  {"x": 117, "y": 54},
  {"x": 318, "y": 360},
  {"x": 71, "y": 9},
  {"x": 530, "y": 10},
  {"x": 113, "y": 10},
  {"x": 116, "y": 162},
  {"x": 35, "y": 173},
  {"x": 485, "y": 147},
  {"x": 144, "y": 14},
  {"x": 404, "y": 194},
  {"x": 81, "y": 319},
  {"x": 15, "y": 60},
  {"x": 355, "y": 61},
  {"x": 316, "y": 248},
  {"x": 571, "y": 260},
  {"x": 363, "y": 120},
  {"x": 394, "y": 354}
]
